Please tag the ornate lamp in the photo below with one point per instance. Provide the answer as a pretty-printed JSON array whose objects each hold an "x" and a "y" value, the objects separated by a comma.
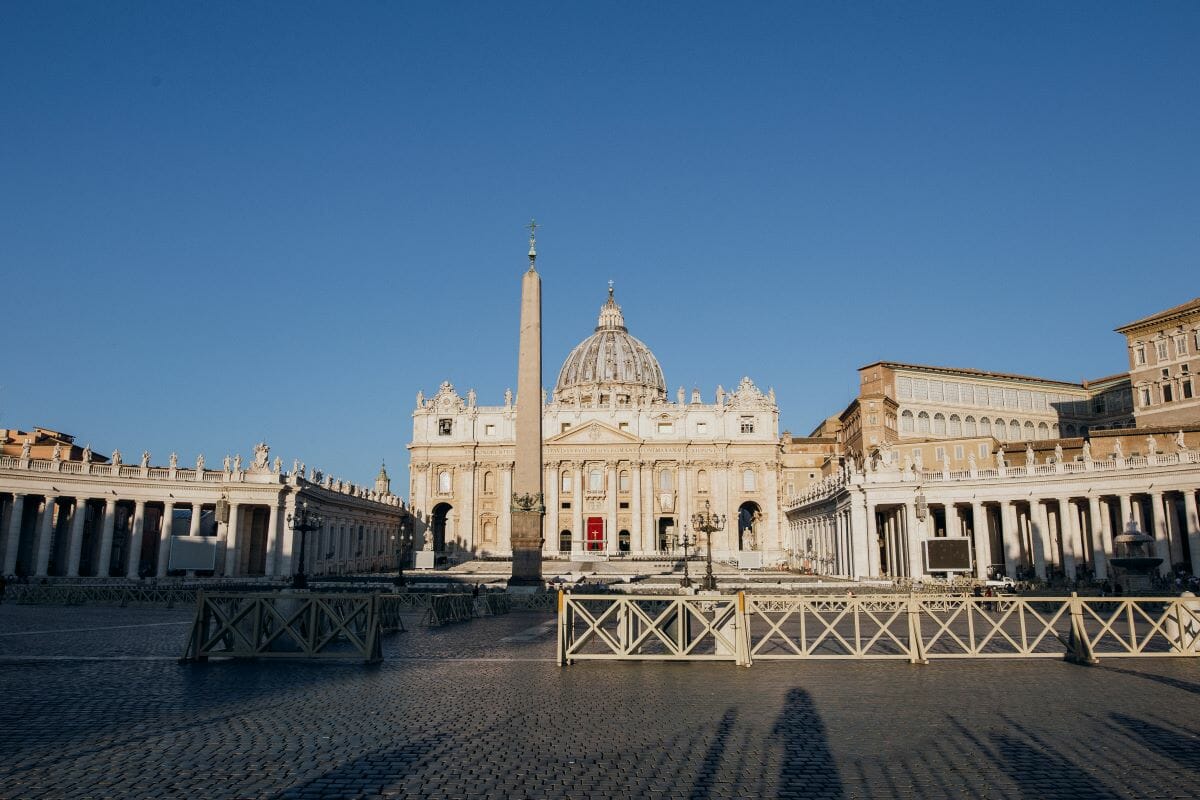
[
  {"x": 707, "y": 523},
  {"x": 302, "y": 522}
]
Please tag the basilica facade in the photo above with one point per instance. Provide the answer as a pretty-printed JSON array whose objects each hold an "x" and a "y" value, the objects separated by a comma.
[{"x": 625, "y": 466}]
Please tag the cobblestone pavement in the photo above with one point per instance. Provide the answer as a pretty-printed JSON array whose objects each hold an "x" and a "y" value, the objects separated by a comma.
[{"x": 95, "y": 705}]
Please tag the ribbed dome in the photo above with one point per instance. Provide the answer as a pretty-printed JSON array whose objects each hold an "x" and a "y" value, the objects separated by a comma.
[{"x": 611, "y": 358}]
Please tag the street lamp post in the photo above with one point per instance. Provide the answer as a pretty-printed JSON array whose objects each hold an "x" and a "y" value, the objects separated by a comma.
[
  {"x": 403, "y": 539},
  {"x": 302, "y": 522},
  {"x": 708, "y": 523},
  {"x": 685, "y": 542}
]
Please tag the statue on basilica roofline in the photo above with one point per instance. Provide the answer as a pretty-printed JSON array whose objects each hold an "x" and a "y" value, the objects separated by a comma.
[
  {"x": 508, "y": 398},
  {"x": 470, "y": 398},
  {"x": 278, "y": 466},
  {"x": 262, "y": 453},
  {"x": 420, "y": 399}
]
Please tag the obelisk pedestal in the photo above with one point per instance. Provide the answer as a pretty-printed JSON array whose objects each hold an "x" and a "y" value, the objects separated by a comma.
[{"x": 528, "y": 508}]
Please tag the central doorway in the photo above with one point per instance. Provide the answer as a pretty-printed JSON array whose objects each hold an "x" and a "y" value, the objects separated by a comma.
[{"x": 595, "y": 534}]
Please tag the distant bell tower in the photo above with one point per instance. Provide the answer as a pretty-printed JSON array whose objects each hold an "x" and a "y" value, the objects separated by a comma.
[
  {"x": 528, "y": 507},
  {"x": 383, "y": 484}
]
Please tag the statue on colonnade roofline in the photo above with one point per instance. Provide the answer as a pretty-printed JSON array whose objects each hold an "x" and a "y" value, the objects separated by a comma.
[
  {"x": 237, "y": 463},
  {"x": 145, "y": 459},
  {"x": 57, "y": 454},
  {"x": 1087, "y": 449},
  {"x": 508, "y": 398},
  {"x": 1029, "y": 457},
  {"x": 174, "y": 460},
  {"x": 720, "y": 395},
  {"x": 1118, "y": 451},
  {"x": 296, "y": 467},
  {"x": 1151, "y": 445},
  {"x": 87, "y": 454},
  {"x": 971, "y": 463},
  {"x": 1058, "y": 453},
  {"x": 1180, "y": 444},
  {"x": 25, "y": 447},
  {"x": 200, "y": 463},
  {"x": 227, "y": 463},
  {"x": 116, "y": 458},
  {"x": 420, "y": 399},
  {"x": 1000, "y": 457},
  {"x": 278, "y": 465}
]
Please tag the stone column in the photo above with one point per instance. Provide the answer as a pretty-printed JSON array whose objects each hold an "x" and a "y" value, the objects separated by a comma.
[
  {"x": 1097, "y": 525},
  {"x": 611, "y": 502},
  {"x": 467, "y": 527},
  {"x": 577, "y": 537},
  {"x": 1069, "y": 549},
  {"x": 724, "y": 472},
  {"x": 866, "y": 553},
  {"x": 106, "y": 537},
  {"x": 13, "y": 537},
  {"x": 1011, "y": 537},
  {"x": 233, "y": 543},
  {"x": 135, "y": 539},
  {"x": 1042, "y": 555},
  {"x": 649, "y": 532},
  {"x": 1162, "y": 546},
  {"x": 78, "y": 517},
  {"x": 194, "y": 522},
  {"x": 272, "y": 566},
  {"x": 164, "y": 539},
  {"x": 1126, "y": 512},
  {"x": 553, "y": 483},
  {"x": 1193, "y": 526},
  {"x": 913, "y": 533},
  {"x": 45, "y": 532},
  {"x": 505, "y": 519},
  {"x": 636, "y": 538},
  {"x": 979, "y": 528},
  {"x": 1175, "y": 537},
  {"x": 683, "y": 506}
]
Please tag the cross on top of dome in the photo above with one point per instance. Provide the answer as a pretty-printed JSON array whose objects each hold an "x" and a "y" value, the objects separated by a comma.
[{"x": 610, "y": 314}]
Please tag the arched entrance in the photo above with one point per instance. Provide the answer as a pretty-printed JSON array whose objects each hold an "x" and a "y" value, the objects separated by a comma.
[
  {"x": 437, "y": 523},
  {"x": 564, "y": 541},
  {"x": 623, "y": 541},
  {"x": 747, "y": 521}
]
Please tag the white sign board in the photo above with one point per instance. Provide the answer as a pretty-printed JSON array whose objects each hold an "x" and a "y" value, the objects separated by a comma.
[{"x": 749, "y": 559}]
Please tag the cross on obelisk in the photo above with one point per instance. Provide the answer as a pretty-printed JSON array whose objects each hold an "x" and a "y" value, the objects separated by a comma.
[{"x": 527, "y": 506}]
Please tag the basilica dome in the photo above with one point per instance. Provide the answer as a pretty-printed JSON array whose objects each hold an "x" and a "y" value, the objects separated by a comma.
[{"x": 610, "y": 362}]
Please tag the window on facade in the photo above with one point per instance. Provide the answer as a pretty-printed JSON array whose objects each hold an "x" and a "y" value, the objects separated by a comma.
[
  {"x": 1139, "y": 355},
  {"x": 958, "y": 452},
  {"x": 566, "y": 482},
  {"x": 1186, "y": 389},
  {"x": 1168, "y": 394},
  {"x": 904, "y": 388},
  {"x": 952, "y": 393},
  {"x": 623, "y": 481},
  {"x": 935, "y": 391},
  {"x": 920, "y": 389},
  {"x": 595, "y": 481},
  {"x": 1180, "y": 346},
  {"x": 1166, "y": 373},
  {"x": 939, "y": 454},
  {"x": 666, "y": 427},
  {"x": 1160, "y": 348},
  {"x": 489, "y": 482},
  {"x": 923, "y": 422},
  {"x": 444, "y": 482},
  {"x": 873, "y": 419},
  {"x": 1029, "y": 430},
  {"x": 906, "y": 422},
  {"x": 969, "y": 427},
  {"x": 1000, "y": 430},
  {"x": 702, "y": 481},
  {"x": 983, "y": 450},
  {"x": 939, "y": 424},
  {"x": 1043, "y": 431},
  {"x": 1144, "y": 395},
  {"x": 489, "y": 430},
  {"x": 955, "y": 428},
  {"x": 985, "y": 427},
  {"x": 445, "y": 426},
  {"x": 1014, "y": 430},
  {"x": 747, "y": 424},
  {"x": 748, "y": 480},
  {"x": 1024, "y": 400}
]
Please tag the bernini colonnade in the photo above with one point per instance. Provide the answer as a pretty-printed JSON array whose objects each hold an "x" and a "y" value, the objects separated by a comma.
[{"x": 84, "y": 518}]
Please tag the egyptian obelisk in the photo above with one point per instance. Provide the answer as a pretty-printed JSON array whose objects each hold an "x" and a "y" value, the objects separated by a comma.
[{"x": 528, "y": 507}]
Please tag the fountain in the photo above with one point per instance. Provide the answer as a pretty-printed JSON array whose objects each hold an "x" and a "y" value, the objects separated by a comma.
[{"x": 1133, "y": 560}]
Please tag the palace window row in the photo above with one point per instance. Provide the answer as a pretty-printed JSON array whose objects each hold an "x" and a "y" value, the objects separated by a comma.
[
  {"x": 970, "y": 394},
  {"x": 940, "y": 425}
]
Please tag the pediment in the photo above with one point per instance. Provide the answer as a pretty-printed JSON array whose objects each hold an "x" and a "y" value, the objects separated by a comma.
[{"x": 593, "y": 432}]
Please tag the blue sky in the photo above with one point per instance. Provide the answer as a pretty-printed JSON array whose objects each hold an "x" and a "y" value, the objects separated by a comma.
[{"x": 224, "y": 222}]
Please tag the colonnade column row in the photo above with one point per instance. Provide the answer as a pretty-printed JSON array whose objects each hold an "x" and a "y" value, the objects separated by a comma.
[
  {"x": 1041, "y": 540},
  {"x": 1070, "y": 553},
  {"x": 1098, "y": 524},
  {"x": 1193, "y": 527},
  {"x": 1010, "y": 537},
  {"x": 133, "y": 562},
  {"x": 611, "y": 544},
  {"x": 270, "y": 567}
]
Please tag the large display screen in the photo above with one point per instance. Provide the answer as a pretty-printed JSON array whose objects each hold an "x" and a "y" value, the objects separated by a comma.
[
  {"x": 193, "y": 552},
  {"x": 948, "y": 555}
]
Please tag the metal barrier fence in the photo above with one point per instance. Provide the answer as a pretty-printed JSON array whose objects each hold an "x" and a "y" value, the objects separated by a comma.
[
  {"x": 102, "y": 594},
  {"x": 743, "y": 628},
  {"x": 281, "y": 625},
  {"x": 534, "y": 601},
  {"x": 446, "y": 608},
  {"x": 491, "y": 604}
]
